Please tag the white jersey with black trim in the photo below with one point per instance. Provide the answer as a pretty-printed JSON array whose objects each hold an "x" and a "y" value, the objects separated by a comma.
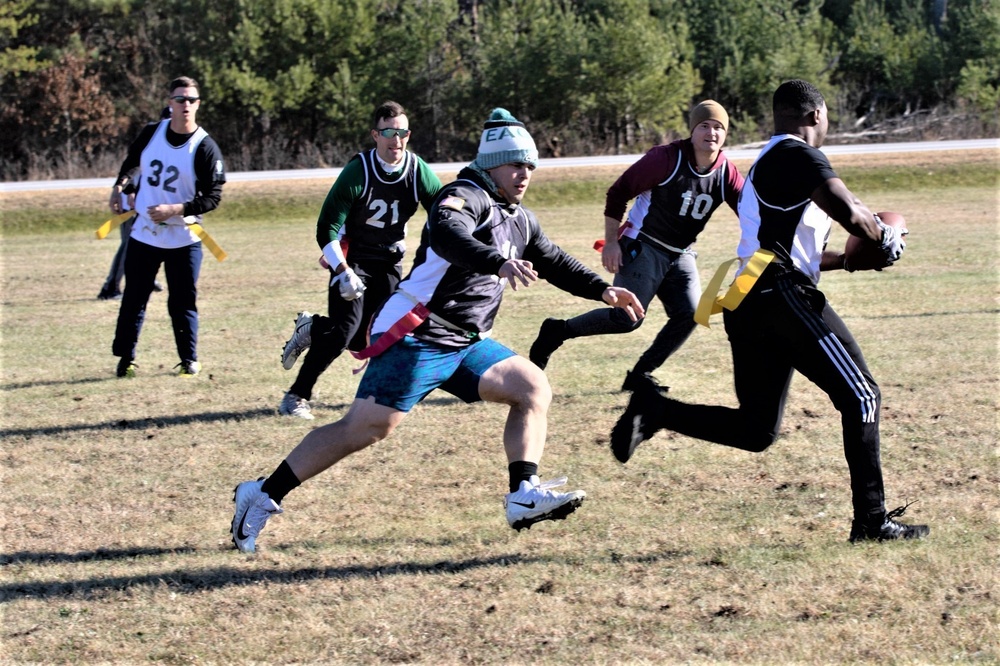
[{"x": 167, "y": 176}]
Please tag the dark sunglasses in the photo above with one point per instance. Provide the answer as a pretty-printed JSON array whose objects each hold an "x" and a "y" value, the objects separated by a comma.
[
  {"x": 390, "y": 132},
  {"x": 180, "y": 99}
]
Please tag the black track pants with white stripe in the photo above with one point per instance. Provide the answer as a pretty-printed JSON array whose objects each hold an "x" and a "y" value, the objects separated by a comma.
[{"x": 785, "y": 324}]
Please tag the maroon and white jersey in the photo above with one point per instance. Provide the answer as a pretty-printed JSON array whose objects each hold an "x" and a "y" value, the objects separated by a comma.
[{"x": 673, "y": 202}]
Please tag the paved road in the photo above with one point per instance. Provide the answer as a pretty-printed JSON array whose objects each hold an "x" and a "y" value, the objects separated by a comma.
[{"x": 564, "y": 162}]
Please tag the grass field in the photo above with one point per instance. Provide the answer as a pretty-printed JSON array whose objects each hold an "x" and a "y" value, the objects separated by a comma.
[{"x": 117, "y": 493}]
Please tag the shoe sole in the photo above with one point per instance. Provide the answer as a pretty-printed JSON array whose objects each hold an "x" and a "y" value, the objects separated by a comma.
[
  {"x": 288, "y": 360},
  {"x": 558, "y": 513}
]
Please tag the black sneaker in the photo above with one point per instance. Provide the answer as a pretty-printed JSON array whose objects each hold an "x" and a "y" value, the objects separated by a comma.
[
  {"x": 126, "y": 368},
  {"x": 887, "y": 529},
  {"x": 109, "y": 296},
  {"x": 638, "y": 423},
  {"x": 635, "y": 380},
  {"x": 157, "y": 286},
  {"x": 551, "y": 335}
]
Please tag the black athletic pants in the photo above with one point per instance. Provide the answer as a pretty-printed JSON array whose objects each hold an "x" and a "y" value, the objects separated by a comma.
[{"x": 785, "y": 324}]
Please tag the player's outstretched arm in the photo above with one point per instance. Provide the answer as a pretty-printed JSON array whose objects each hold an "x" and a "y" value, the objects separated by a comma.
[
  {"x": 626, "y": 300},
  {"x": 514, "y": 270}
]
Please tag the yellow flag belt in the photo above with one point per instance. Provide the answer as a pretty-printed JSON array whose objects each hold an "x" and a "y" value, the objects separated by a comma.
[
  {"x": 112, "y": 224},
  {"x": 199, "y": 231},
  {"x": 209, "y": 242},
  {"x": 711, "y": 303}
]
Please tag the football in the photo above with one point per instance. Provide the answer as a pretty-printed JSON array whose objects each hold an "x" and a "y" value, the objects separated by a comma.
[{"x": 864, "y": 254}]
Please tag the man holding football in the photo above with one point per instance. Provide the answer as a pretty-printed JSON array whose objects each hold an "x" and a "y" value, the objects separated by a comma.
[
  {"x": 434, "y": 332},
  {"x": 784, "y": 323}
]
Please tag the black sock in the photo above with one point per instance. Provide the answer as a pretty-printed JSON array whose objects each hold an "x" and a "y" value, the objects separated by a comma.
[
  {"x": 521, "y": 470},
  {"x": 281, "y": 482}
]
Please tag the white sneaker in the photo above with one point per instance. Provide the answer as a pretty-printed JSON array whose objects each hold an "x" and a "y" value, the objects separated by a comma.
[
  {"x": 299, "y": 342},
  {"x": 293, "y": 405},
  {"x": 253, "y": 508},
  {"x": 534, "y": 501},
  {"x": 188, "y": 368}
]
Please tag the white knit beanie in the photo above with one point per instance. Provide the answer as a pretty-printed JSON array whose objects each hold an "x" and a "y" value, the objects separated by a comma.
[{"x": 505, "y": 141}]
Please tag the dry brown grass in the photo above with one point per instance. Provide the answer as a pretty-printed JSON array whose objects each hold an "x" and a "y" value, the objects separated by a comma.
[{"x": 117, "y": 494}]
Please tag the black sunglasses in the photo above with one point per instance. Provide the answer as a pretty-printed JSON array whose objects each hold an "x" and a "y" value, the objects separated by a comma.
[
  {"x": 390, "y": 132},
  {"x": 180, "y": 99}
]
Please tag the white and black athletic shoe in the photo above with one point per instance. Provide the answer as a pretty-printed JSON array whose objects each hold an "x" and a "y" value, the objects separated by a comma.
[
  {"x": 299, "y": 342},
  {"x": 293, "y": 405},
  {"x": 253, "y": 508},
  {"x": 535, "y": 501}
]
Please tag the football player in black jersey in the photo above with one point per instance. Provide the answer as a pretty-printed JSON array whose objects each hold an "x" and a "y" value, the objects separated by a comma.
[{"x": 790, "y": 197}]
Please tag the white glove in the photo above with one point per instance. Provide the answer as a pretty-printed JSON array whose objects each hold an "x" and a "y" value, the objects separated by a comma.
[
  {"x": 398, "y": 250},
  {"x": 351, "y": 286},
  {"x": 892, "y": 242}
]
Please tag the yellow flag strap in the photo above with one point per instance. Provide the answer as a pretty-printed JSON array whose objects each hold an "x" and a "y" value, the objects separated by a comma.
[
  {"x": 109, "y": 225},
  {"x": 199, "y": 231},
  {"x": 209, "y": 242},
  {"x": 711, "y": 303}
]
